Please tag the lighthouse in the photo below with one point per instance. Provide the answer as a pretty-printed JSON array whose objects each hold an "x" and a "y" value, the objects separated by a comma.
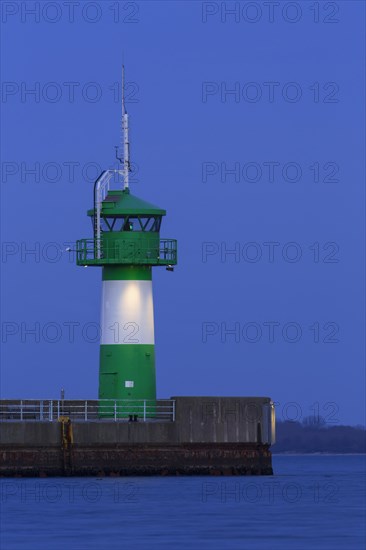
[
  {"x": 126, "y": 244},
  {"x": 180, "y": 435}
]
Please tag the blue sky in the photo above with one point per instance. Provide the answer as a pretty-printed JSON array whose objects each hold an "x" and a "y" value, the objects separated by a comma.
[{"x": 278, "y": 97}]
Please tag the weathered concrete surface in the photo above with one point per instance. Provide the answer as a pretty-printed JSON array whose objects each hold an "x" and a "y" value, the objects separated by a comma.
[
  {"x": 223, "y": 419},
  {"x": 124, "y": 460},
  {"x": 210, "y": 435},
  {"x": 30, "y": 434},
  {"x": 38, "y": 434}
]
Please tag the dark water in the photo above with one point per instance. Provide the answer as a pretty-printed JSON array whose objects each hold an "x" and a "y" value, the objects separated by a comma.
[{"x": 312, "y": 502}]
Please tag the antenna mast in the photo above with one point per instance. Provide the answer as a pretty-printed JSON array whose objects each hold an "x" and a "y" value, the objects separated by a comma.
[{"x": 125, "y": 142}]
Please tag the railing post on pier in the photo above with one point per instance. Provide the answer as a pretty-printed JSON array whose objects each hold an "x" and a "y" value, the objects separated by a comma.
[
  {"x": 86, "y": 411},
  {"x": 115, "y": 410},
  {"x": 21, "y": 410},
  {"x": 58, "y": 409},
  {"x": 41, "y": 409},
  {"x": 50, "y": 411},
  {"x": 173, "y": 411},
  {"x": 144, "y": 410}
]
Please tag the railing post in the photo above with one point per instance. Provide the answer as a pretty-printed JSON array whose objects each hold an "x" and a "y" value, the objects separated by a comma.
[
  {"x": 144, "y": 410},
  {"x": 41, "y": 409},
  {"x": 21, "y": 410},
  {"x": 86, "y": 411},
  {"x": 115, "y": 410},
  {"x": 50, "y": 411},
  {"x": 58, "y": 409},
  {"x": 173, "y": 411}
]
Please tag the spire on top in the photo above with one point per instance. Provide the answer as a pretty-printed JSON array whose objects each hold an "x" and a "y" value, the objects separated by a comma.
[{"x": 125, "y": 161}]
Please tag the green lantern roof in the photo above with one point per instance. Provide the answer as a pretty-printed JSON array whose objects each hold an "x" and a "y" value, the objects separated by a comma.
[{"x": 122, "y": 203}]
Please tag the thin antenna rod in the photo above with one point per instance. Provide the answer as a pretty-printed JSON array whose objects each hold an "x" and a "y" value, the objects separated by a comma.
[{"x": 125, "y": 142}]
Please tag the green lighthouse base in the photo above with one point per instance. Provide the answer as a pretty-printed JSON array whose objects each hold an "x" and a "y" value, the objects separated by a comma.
[{"x": 127, "y": 381}]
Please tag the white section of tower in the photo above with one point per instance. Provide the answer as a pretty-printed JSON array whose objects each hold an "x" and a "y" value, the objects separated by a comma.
[{"x": 127, "y": 315}]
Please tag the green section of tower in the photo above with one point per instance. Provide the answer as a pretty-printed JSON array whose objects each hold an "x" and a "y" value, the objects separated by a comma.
[
  {"x": 127, "y": 273},
  {"x": 121, "y": 202},
  {"x": 127, "y": 372},
  {"x": 129, "y": 235}
]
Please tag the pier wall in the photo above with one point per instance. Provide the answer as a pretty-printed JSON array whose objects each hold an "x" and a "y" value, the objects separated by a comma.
[{"x": 210, "y": 435}]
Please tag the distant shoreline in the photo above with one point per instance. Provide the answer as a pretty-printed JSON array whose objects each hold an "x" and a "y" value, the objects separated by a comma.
[
  {"x": 316, "y": 437},
  {"x": 317, "y": 453}
]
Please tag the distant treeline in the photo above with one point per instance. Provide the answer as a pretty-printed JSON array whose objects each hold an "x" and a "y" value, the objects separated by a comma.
[{"x": 318, "y": 437}]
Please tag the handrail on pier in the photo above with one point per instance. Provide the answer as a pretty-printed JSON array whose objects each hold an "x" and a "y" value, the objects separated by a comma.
[{"x": 51, "y": 410}]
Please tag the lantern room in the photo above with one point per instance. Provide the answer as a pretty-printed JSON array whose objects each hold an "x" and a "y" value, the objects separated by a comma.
[{"x": 129, "y": 233}]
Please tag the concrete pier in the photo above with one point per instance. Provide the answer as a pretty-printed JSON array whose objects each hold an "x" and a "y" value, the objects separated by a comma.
[{"x": 209, "y": 435}]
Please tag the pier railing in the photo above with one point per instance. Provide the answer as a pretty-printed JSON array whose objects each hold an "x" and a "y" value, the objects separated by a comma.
[{"x": 51, "y": 410}]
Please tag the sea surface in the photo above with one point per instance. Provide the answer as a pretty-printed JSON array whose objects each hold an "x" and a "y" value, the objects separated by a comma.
[{"x": 312, "y": 502}]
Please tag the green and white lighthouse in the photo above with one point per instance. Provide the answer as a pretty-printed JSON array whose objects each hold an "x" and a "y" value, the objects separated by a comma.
[{"x": 126, "y": 244}]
